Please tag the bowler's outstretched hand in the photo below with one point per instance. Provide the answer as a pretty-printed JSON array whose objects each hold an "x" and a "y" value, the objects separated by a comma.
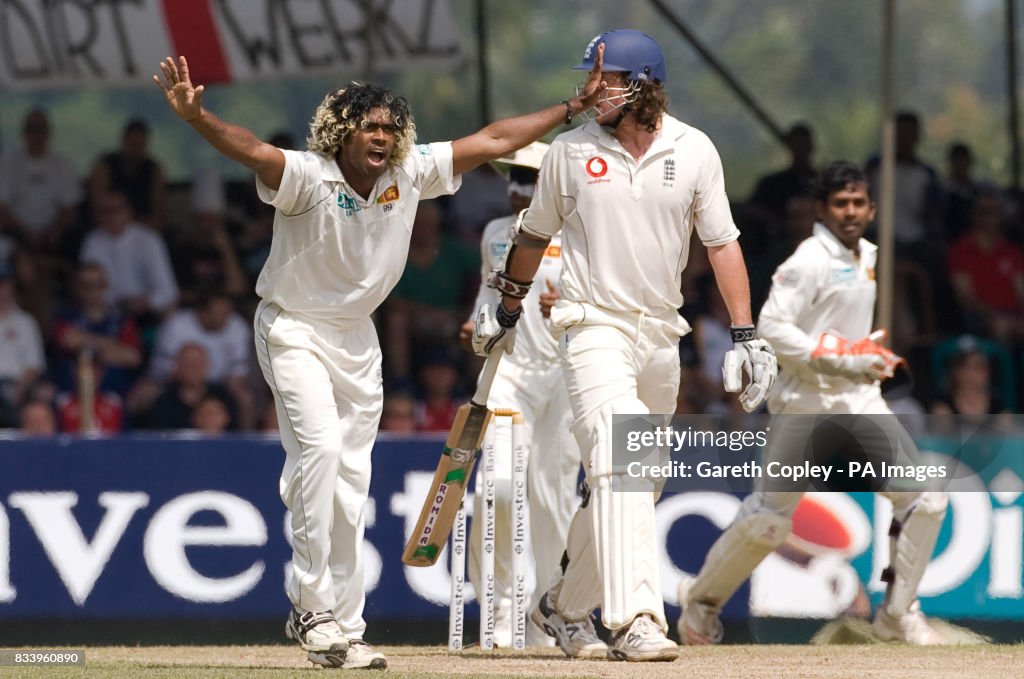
[
  {"x": 186, "y": 100},
  {"x": 595, "y": 85}
]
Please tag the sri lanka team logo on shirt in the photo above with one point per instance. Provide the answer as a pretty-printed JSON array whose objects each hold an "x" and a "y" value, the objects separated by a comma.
[
  {"x": 389, "y": 196},
  {"x": 596, "y": 167}
]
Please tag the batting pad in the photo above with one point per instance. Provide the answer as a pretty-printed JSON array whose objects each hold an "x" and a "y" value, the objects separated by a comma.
[
  {"x": 735, "y": 555},
  {"x": 622, "y": 525},
  {"x": 912, "y": 538},
  {"x": 578, "y": 590}
]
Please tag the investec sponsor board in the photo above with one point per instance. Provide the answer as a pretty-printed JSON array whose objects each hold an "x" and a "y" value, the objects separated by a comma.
[{"x": 79, "y": 543}]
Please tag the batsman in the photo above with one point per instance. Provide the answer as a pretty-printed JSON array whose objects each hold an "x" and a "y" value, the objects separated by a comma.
[
  {"x": 626, "y": 190},
  {"x": 822, "y": 296}
]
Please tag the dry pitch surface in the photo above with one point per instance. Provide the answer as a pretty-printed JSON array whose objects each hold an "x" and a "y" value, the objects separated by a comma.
[{"x": 748, "y": 662}]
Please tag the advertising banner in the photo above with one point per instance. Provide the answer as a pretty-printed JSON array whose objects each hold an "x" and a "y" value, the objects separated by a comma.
[
  {"x": 118, "y": 43},
  {"x": 171, "y": 527}
]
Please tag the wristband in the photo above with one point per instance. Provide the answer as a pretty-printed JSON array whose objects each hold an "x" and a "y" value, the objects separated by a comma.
[
  {"x": 741, "y": 333},
  {"x": 500, "y": 281},
  {"x": 568, "y": 112},
  {"x": 506, "y": 318}
]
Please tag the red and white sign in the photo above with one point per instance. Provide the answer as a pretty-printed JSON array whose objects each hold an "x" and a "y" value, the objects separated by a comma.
[{"x": 70, "y": 43}]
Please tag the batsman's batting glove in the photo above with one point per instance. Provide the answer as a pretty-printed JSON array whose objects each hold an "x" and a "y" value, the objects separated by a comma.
[
  {"x": 754, "y": 358},
  {"x": 495, "y": 329},
  {"x": 836, "y": 355}
]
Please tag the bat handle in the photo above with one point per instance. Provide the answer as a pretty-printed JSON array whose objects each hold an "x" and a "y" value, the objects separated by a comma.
[{"x": 483, "y": 383}]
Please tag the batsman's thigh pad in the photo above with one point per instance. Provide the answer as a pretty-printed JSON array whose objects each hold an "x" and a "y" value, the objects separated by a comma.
[
  {"x": 917, "y": 518},
  {"x": 751, "y": 537}
]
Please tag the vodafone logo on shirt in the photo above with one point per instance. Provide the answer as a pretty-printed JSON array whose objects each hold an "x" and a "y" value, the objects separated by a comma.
[{"x": 596, "y": 167}]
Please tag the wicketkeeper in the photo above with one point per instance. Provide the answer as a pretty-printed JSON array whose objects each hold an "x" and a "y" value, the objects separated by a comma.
[{"x": 821, "y": 296}]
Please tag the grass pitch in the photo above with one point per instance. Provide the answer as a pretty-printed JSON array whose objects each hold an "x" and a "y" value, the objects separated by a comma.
[{"x": 718, "y": 662}]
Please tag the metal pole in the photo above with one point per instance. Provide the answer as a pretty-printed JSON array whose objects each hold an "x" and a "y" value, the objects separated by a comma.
[
  {"x": 481, "y": 60},
  {"x": 1013, "y": 91},
  {"x": 738, "y": 89},
  {"x": 369, "y": 68},
  {"x": 886, "y": 191}
]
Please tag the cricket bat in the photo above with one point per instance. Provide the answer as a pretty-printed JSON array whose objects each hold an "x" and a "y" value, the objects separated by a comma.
[{"x": 453, "y": 471}]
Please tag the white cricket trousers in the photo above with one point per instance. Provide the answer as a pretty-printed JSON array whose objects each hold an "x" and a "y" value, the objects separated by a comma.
[
  {"x": 552, "y": 473},
  {"x": 616, "y": 364},
  {"x": 328, "y": 392}
]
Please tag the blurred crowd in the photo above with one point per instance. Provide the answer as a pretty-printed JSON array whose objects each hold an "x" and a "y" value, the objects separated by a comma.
[{"x": 126, "y": 300}]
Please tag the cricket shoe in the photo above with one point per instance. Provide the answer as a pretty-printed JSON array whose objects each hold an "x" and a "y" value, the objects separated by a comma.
[
  {"x": 577, "y": 639},
  {"x": 319, "y": 634},
  {"x": 360, "y": 656},
  {"x": 910, "y": 628},
  {"x": 642, "y": 641},
  {"x": 698, "y": 624}
]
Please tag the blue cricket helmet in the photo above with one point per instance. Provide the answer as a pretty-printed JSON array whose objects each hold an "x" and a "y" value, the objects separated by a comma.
[{"x": 625, "y": 50}]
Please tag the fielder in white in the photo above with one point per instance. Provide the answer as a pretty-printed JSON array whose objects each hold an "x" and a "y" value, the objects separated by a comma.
[
  {"x": 531, "y": 382},
  {"x": 825, "y": 289},
  {"x": 344, "y": 216},
  {"x": 626, "y": 191}
]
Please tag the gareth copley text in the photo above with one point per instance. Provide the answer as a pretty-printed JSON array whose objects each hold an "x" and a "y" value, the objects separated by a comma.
[{"x": 779, "y": 470}]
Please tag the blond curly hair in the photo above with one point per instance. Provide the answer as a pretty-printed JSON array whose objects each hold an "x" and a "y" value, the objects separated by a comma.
[{"x": 344, "y": 110}]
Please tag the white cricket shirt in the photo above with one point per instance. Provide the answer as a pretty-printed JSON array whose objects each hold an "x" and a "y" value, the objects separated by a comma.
[
  {"x": 626, "y": 223},
  {"x": 822, "y": 286},
  {"x": 534, "y": 341},
  {"x": 335, "y": 256}
]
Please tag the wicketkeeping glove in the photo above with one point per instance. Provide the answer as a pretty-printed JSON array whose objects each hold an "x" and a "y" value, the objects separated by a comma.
[
  {"x": 871, "y": 345},
  {"x": 861, "y": 361},
  {"x": 754, "y": 358},
  {"x": 495, "y": 329}
]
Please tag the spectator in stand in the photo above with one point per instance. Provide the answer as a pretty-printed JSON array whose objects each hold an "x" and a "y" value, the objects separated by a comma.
[
  {"x": 920, "y": 244},
  {"x": 39, "y": 189},
  {"x": 37, "y": 419},
  {"x": 92, "y": 323},
  {"x": 712, "y": 341},
  {"x": 971, "y": 391},
  {"x": 432, "y": 297},
  {"x": 772, "y": 194},
  {"x": 138, "y": 267},
  {"x": 211, "y": 416},
  {"x": 959, "y": 191},
  {"x": 988, "y": 274},
  {"x": 22, "y": 359},
  {"x": 39, "y": 197},
  {"x": 439, "y": 377},
  {"x": 257, "y": 219},
  {"x": 86, "y": 409},
  {"x": 483, "y": 197},
  {"x": 227, "y": 340},
  {"x": 399, "y": 413},
  {"x": 132, "y": 172},
  {"x": 797, "y": 226},
  {"x": 190, "y": 384},
  {"x": 917, "y": 194},
  {"x": 203, "y": 253}
]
